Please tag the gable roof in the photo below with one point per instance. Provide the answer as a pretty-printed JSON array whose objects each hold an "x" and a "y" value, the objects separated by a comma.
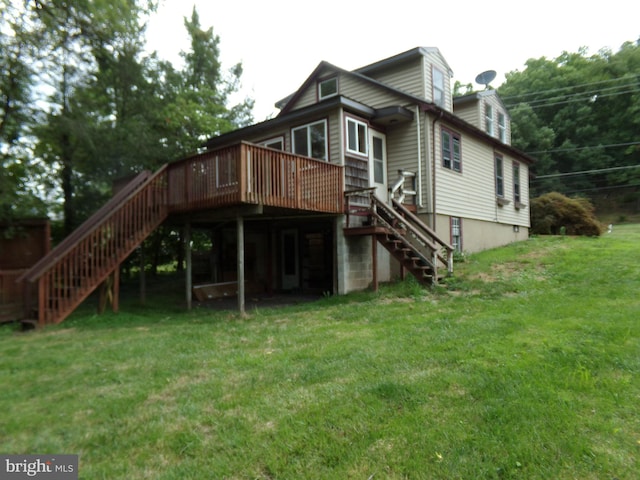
[
  {"x": 403, "y": 57},
  {"x": 477, "y": 96},
  {"x": 288, "y": 112}
]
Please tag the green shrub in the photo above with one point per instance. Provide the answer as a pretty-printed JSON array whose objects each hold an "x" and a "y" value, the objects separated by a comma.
[{"x": 553, "y": 212}]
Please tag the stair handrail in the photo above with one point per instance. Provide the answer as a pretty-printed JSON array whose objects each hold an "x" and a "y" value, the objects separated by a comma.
[
  {"x": 397, "y": 233},
  {"x": 412, "y": 228},
  {"x": 419, "y": 223},
  {"x": 101, "y": 216},
  {"x": 398, "y": 186}
]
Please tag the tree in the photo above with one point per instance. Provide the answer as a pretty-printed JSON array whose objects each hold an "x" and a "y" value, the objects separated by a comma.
[
  {"x": 16, "y": 80},
  {"x": 75, "y": 34},
  {"x": 578, "y": 113},
  {"x": 200, "y": 92}
]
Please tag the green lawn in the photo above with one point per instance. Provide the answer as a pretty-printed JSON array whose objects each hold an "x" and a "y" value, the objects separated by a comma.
[{"x": 525, "y": 365}]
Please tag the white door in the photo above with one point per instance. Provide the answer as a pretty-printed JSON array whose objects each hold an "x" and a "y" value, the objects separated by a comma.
[
  {"x": 290, "y": 261},
  {"x": 378, "y": 164}
]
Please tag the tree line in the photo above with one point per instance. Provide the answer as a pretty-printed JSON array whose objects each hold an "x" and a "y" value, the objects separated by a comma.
[
  {"x": 83, "y": 103},
  {"x": 579, "y": 116}
]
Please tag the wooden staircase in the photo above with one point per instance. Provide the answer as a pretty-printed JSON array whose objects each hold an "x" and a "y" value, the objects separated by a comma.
[
  {"x": 61, "y": 280},
  {"x": 409, "y": 240}
]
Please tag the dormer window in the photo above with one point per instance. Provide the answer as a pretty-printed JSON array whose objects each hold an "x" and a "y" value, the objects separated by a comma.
[
  {"x": 502, "y": 128},
  {"x": 327, "y": 88},
  {"x": 488, "y": 119},
  {"x": 438, "y": 88}
]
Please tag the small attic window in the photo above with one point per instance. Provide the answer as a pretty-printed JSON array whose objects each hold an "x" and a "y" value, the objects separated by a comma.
[{"x": 327, "y": 88}]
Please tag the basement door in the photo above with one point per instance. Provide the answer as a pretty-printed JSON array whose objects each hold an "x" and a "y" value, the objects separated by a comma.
[
  {"x": 290, "y": 263},
  {"x": 378, "y": 164}
]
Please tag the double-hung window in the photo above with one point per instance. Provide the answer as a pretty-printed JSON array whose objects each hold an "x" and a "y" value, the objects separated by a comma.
[
  {"x": 356, "y": 137},
  {"x": 499, "y": 169},
  {"x": 488, "y": 119},
  {"x": 502, "y": 128},
  {"x": 438, "y": 87},
  {"x": 451, "y": 154},
  {"x": 516, "y": 184},
  {"x": 311, "y": 140}
]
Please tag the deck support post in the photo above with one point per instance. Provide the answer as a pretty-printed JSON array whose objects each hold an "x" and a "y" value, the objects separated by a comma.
[
  {"x": 374, "y": 261},
  {"x": 188, "y": 268},
  {"x": 240, "y": 265},
  {"x": 143, "y": 277}
]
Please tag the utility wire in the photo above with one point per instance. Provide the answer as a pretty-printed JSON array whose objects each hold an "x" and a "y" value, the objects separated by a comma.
[
  {"x": 559, "y": 89},
  {"x": 574, "y": 149},
  {"x": 588, "y": 93},
  {"x": 584, "y": 172},
  {"x": 575, "y": 99}
]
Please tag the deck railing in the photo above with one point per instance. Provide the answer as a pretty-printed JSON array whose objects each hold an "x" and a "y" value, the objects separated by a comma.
[
  {"x": 252, "y": 174},
  {"x": 57, "y": 284}
]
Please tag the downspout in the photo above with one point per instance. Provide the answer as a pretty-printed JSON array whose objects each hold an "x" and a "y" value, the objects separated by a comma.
[
  {"x": 433, "y": 169},
  {"x": 418, "y": 132}
]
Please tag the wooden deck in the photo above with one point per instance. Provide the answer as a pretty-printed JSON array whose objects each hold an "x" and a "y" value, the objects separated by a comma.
[
  {"x": 252, "y": 174},
  {"x": 238, "y": 175}
]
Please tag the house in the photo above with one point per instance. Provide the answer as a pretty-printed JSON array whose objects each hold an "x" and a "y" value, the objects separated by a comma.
[
  {"x": 398, "y": 114},
  {"x": 362, "y": 176}
]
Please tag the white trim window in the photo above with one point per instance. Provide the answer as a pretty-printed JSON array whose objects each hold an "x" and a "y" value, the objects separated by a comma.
[
  {"x": 499, "y": 169},
  {"x": 275, "y": 142},
  {"x": 456, "y": 233},
  {"x": 451, "y": 151},
  {"x": 357, "y": 135},
  {"x": 516, "y": 183},
  {"x": 502, "y": 127},
  {"x": 488, "y": 119},
  {"x": 438, "y": 87},
  {"x": 310, "y": 140},
  {"x": 327, "y": 88}
]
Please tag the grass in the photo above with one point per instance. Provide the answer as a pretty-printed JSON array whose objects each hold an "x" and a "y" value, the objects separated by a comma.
[{"x": 524, "y": 365}]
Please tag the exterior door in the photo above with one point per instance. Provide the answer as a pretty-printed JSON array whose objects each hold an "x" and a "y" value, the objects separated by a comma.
[
  {"x": 290, "y": 263},
  {"x": 378, "y": 164}
]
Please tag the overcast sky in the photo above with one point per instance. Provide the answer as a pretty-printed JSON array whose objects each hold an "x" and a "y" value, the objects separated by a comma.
[{"x": 280, "y": 42}]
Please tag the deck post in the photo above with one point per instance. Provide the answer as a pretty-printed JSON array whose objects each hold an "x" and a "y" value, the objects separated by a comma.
[
  {"x": 115, "y": 299},
  {"x": 188, "y": 267},
  {"x": 374, "y": 260},
  {"x": 240, "y": 266},
  {"x": 143, "y": 277}
]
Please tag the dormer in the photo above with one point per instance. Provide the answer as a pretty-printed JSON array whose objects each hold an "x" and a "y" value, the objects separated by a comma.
[
  {"x": 485, "y": 110},
  {"x": 422, "y": 72}
]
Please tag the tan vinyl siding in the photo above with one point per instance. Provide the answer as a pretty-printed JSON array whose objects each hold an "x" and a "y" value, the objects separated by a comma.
[
  {"x": 367, "y": 94},
  {"x": 432, "y": 60},
  {"x": 471, "y": 193},
  {"x": 308, "y": 97},
  {"x": 402, "y": 152},
  {"x": 469, "y": 113},
  {"x": 407, "y": 77}
]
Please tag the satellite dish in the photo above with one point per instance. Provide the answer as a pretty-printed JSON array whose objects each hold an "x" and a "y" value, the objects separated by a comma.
[{"x": 485, "y": 78}]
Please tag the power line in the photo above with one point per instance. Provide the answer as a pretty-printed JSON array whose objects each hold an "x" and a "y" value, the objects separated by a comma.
[
  {"x": 573, "y": 100},
  {"x": 584, "y": 172},
  {"x": 574, "y": 149},
  {"x": 612, "y": 187},
  {"x": 559, "y": 89},
  {"x": 589, "y": 93}
]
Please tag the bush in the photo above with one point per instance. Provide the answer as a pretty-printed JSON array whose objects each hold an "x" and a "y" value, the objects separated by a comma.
[{"x": 553, "y": 213}]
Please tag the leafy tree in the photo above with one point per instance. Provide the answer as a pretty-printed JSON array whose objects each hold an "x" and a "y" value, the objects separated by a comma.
[
  {"x": 16, "y": 80},
  {"x": 578, "y": 113},
  {"x": 200, "y": 93}
]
